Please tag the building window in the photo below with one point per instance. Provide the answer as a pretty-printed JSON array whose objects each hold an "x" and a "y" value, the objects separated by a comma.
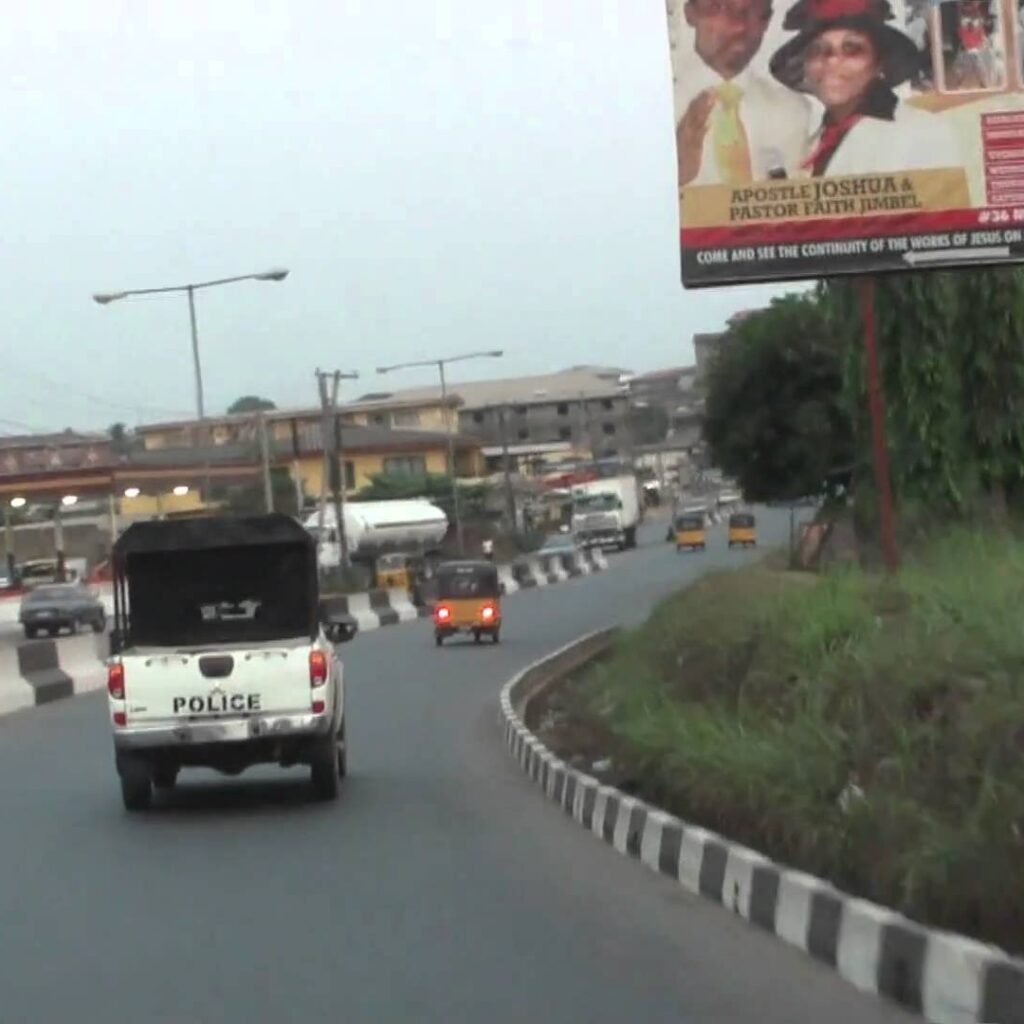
[
  {"x": 350, "y": 475},
  {"x": 380, "y": 419},
  {"x": 405, "y": 465},
  {"x": 408, "y": 420},
  {"x": 478, "y": 417},
  {"x": 563, "y": 408},
  {"x": 564, "y": 433},
  {"x": 520, "y": 410},
  {"x": 524, "y": 435},
  {"x": 608, "y": 428},
  {"x": 606, "y": 403}
]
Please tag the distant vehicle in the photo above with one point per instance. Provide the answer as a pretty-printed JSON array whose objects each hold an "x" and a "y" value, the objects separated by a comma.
[
  {"x": 606, "y": 512},
  {"x": 52, "y": 607},
  {"x": 560, "y": 544},
  {"x": 38, "y": 572},
  {"x": 375, "y": 527}
]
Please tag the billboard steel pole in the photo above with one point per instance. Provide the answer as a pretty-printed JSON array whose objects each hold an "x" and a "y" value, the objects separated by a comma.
[{"x": 876, "y": 406}]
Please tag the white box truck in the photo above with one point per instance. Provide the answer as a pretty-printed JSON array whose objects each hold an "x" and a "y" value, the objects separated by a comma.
[{"x": 606, "y": 512}]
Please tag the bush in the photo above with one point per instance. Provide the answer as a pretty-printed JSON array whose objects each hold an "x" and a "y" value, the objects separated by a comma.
[{"x": 867, "y": 729}]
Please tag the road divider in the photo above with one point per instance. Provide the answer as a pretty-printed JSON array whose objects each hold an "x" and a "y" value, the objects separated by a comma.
[{"x": 947, "y": 978}]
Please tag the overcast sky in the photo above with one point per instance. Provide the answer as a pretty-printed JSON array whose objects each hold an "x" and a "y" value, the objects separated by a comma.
[{"x": 438, "y": 175}]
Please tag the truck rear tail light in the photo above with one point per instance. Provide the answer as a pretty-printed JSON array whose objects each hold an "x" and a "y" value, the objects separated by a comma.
[
  {"x": 488, "y": 612},
  {"x": 317, "y": 668},
  {"x": 443, "y": 613},
  {"x": 319, "y": 707},
  {"x": 120, "y": 718},
  {"x": 115, "y": 680}
]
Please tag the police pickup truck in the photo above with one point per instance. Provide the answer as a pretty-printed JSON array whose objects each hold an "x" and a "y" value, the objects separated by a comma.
[{"x": 221, "y": 654}]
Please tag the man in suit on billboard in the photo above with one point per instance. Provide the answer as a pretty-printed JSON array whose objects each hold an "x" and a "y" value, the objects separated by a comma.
[{"x": 736, "y": 126}]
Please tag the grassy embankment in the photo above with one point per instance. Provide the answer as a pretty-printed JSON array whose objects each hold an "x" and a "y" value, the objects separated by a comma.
[{"x": 865, "y": 729}]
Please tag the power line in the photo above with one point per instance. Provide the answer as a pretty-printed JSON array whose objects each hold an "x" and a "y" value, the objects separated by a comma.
[{"x": 76, "y": 395}]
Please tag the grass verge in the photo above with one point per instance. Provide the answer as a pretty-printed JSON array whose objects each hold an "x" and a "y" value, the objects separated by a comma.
[{"x": 869, "y": 730}]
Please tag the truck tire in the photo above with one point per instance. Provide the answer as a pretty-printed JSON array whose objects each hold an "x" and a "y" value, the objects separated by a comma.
[
  {"x": 30, "y": 633},
  {"x": 99, "y": 623},
  {"x": 136, "y": 785},
  {"x": 165, "y": 776},
  {"x": 342, "y": 752},
  {"x": 631, "y": 537},
  {"x": 324, "y": 768}
]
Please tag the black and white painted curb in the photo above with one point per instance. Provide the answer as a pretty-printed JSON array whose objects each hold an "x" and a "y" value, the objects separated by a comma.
[{"x": 947, "y": 978}]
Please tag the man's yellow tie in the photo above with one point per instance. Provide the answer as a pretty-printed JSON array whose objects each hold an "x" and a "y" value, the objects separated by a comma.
[{"x": 732, "y": 151}]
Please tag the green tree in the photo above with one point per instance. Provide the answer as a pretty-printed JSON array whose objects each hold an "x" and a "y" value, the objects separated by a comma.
[
  {"x": 250, "y": 403},
  {"x": 774, "y": 415},
  {"x": 953, "y": 372},
  {"x": 120, "y": 440},
  {"x": 988, "y": 325}
]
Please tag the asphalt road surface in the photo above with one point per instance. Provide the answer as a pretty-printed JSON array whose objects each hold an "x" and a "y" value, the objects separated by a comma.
[{"x": 441, "y": 888}]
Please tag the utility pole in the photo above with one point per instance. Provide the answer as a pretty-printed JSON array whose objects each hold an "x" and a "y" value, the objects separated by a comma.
[
  {"x": 440, "y": 364},
  {"x": 296, "y": 474},
  {"x": 510, "y": 498},
  {"x": 8, "y": 541},
  {"x": 330, "y": 435},
  {"x": 268, "y": 487}
]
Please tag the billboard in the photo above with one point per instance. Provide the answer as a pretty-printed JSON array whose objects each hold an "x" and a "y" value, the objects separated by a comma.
[{"x": 820, "y": 137}]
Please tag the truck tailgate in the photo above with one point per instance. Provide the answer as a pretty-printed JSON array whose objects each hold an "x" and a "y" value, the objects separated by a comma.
[{"x": 230, "y": 683}]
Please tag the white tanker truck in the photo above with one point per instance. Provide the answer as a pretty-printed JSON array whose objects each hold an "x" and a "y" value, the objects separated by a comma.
[{"x": 373, "y": 528}]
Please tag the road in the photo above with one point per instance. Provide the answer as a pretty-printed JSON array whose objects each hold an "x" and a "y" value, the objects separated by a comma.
[{"x": 441, "y": 888}]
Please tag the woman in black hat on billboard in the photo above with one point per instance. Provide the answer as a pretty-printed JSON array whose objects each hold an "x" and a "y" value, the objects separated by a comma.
[{"x": 847, "y": 56}]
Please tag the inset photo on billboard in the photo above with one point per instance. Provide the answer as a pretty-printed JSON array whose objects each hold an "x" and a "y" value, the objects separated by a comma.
[{"x": 973, "y": 39}]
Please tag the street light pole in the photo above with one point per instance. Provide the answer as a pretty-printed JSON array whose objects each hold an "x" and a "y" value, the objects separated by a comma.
[
  {"x": 105, "y": 298},
  {"x": 441, "y": 364},
  {"x": 200, "y": 410},
  {"x": 450, "y": 462}
]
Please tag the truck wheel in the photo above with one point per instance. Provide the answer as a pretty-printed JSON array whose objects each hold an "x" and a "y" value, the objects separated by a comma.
[
  {"x": 99, "y": 624},
  {"x": 165, "y": 776},
  {"x": 496, "y": 637},
  {"x": 323, "y": 769},
  {"x": 476, "y": 636},
  {"x": 136, "y": 786},
  {"x": 631, "y": 538},
  {"x": 30, "y": 633},
  {"x": 342, "y": 752},
  {"x": 438, "y": 639}
]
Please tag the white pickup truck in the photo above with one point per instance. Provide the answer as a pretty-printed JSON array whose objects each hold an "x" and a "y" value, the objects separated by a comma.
[{"x": 221, "y": 654}]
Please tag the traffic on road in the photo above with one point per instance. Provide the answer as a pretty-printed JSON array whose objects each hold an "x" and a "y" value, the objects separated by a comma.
[{"x": 431, "y": 891}]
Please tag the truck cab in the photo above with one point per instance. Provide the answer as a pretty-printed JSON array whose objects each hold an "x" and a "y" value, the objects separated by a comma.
[
  {"x": 221, "y": 656},
  {"x": 606, "y": 512}
]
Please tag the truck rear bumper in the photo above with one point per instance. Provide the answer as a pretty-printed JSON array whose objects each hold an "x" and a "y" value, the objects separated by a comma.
[{"x": 233, "y": 730}]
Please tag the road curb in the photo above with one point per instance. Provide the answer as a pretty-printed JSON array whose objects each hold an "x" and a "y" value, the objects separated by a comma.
[{"x": 947, "y": 978}]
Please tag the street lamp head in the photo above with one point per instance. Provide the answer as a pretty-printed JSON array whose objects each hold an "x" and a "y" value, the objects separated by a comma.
[
  {"x": 104, "y": 297},
  {"x": 277, "y": 274},
  {"x": 496, "y": 354}
]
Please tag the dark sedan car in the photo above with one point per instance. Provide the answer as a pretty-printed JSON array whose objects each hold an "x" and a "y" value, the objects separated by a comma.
[{"x": 58, "y": 606}]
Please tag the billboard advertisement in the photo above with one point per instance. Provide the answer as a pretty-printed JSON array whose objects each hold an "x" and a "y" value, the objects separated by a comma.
[{"x": 821, "y": 137}]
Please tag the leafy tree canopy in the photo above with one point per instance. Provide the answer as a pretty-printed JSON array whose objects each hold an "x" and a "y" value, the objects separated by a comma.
[
  {"x": 250, "y": 403},
  {"x": 774, "y": 416}
]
